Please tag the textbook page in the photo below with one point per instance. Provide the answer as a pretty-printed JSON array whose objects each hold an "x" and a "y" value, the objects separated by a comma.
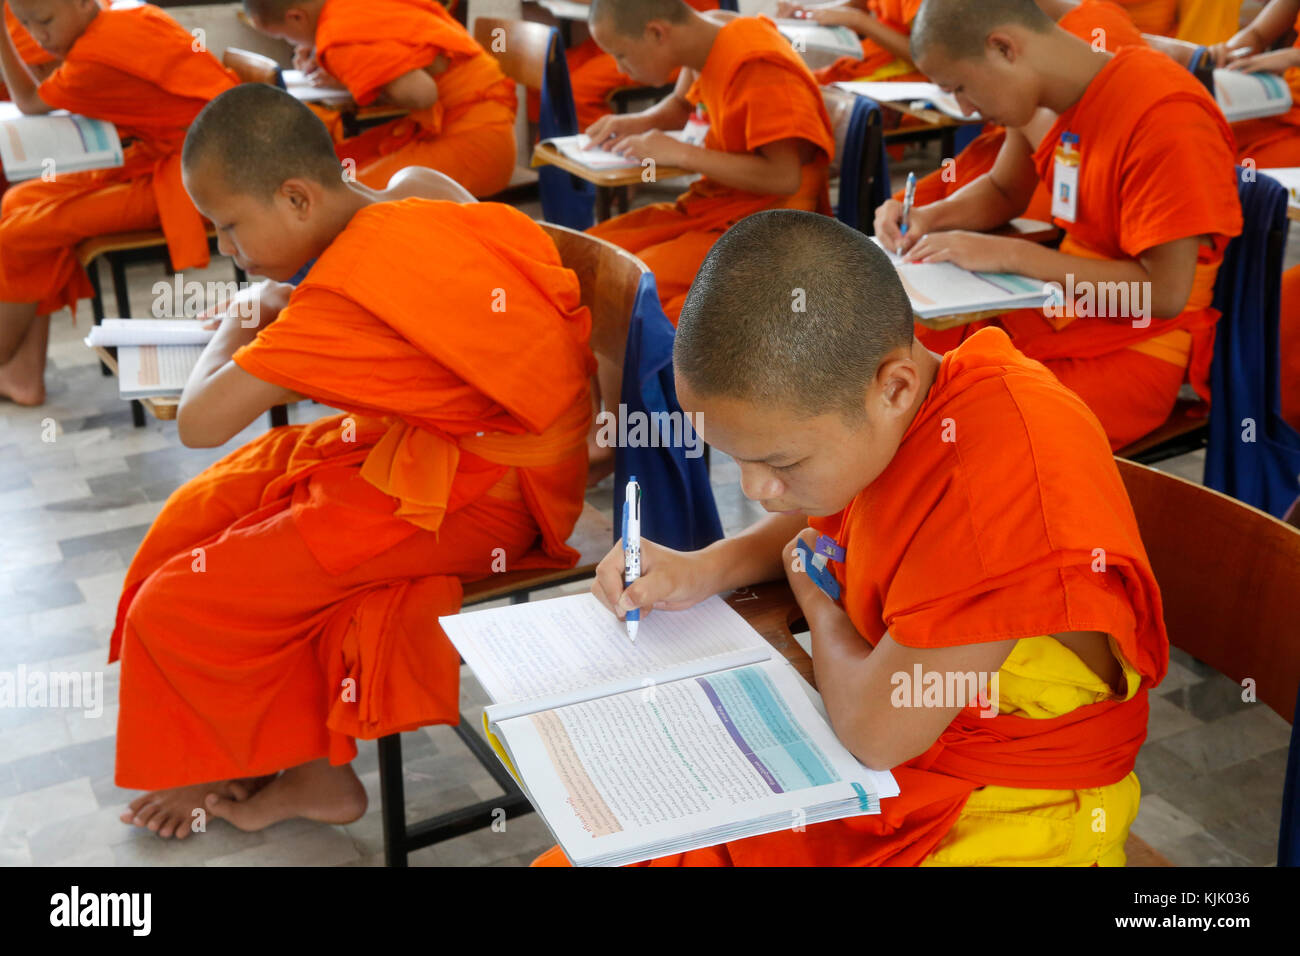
[
  {"x": 1244, "y": 96},
  {"x": 909, "y": 92},
  {"x": 544, "y": 654},
  {"x": 688, "y": 764},
  {"x": 302, "y": 89},
  {"x": 31, "y": 146},
  {"x": 941, "y": 288},
  {"x": 114, "y": 332},
  {"x": 804, "y": 35},
  {"x": 150, "y": 371},
  {"x": 579, "y": 149}
]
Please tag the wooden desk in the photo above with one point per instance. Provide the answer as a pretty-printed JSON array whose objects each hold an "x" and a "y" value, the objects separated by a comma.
[
  {"x": 1293, "y": 213},
  {"x": 935, "y": 124},
  {"x": 609, "y": 183}
]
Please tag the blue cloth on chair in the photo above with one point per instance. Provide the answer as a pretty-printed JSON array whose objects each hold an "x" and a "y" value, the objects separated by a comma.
[
  {"x": 566, "y": 200},
  {"x": 857, "y": 139},
  {"x": 1288, "y": 844},
  {"x": 677, "y": 506},
  {"x": 1244, "y": 376}
]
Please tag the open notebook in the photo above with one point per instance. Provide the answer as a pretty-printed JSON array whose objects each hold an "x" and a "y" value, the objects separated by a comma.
[
  {"x": 803, "y": 35},
  {"x": 154, "y": 356},
  {"x": 579, "y": 149},
  {"x": 695, "y": 734},
  {"x": 941, "y": 289},
  {"x": 928, "y": 93},
  {"x": 32, "y": 146},
  {"x": 1244, "y": 96}
]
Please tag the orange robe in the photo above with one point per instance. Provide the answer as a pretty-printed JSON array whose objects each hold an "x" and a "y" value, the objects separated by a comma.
[
  {"x": 286, "y": 600},
  {"x": 1289, "y": 347},
  {"x": 1273, "y": 142},
  {"x": 898, "y": 16},
  {"x": 152, "y": 100},
  {"x": 1154, "y": 16},
  {"x": 1084, "y": 21},
  {"x": 755, "y": 90},
  {"x": 1139, "y": 188},
  {"x": 594, "y": 75},
  {"x": 991, "y": 536},
  {"x": 469, "y": 133}
]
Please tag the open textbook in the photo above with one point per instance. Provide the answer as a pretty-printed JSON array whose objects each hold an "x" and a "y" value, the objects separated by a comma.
[
  {"x": 1244, "y": 96},
  {"x": 805, "y": 35},
  {"x": 695, "y": 734},
  {"x": 154, "y": 356},
  {"x": 908, "y": 92},
  {"x": 939, "y": 289},
  {"x": 32, "y": 146},
  {"x": 579, "y": 149}
]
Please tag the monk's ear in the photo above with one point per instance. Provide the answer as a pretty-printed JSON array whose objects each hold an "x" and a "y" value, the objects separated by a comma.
[
  {"x": 897, "y": 382},
  {"x": 298, "y": 194},
  {"x": 1001, "y": 45}
]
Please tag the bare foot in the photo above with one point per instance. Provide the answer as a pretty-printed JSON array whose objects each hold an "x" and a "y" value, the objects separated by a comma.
[
  {"x": 170, "y": 813},
  {"x": 313, "y": 790},
  {"x": 22, "y": 378}
]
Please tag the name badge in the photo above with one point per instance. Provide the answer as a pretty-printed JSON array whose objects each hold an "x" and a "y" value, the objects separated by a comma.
[
  {"x": 1065, "y": 179},
  {"x": 697, "y": 127}
]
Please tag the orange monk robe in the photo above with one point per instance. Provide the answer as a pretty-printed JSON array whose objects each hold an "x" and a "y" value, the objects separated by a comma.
[
  {"x": 991, "y": 536},
  {"x": 877, "y": 63},
  {"x": 1289, "y": 347},
  {"x": 1207, "y": 22},
  {"x": 152, "y": 100},
  {"x": 1138, "y": 189},
  {"x": 594, "y": 75},
  {"x": 755, "y": 90},
  {"x": 1155, "y": 16},
  {"x": 469, "y": 133},
  {"x": 1094, "y": 21},
  {"x": 1273, "y": 142},
  {"x": 286, "y": 601}
]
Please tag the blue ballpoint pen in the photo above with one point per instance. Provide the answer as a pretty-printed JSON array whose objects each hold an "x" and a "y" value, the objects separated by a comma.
[
  {"x": 632, "y": 547},
  {"x": 909, "y": 194}
]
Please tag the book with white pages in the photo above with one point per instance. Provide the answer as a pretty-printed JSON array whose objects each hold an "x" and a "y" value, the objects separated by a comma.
[
  {"x": 579, "y": 149},
  {"x": 696, "y": 734},
  {"x": 804, "y": 35},
  {"x": 303, "y": 90},
  {"x": 1288, "y": 177},
  {"x": 931, "y": 94},
  {"x": 33, "y": 146},
  {"x": 117, "y": 332},
  {"x": 938, "y": 289},
  {"x": 155, "y": 371},
  {"x": 1245, "y": 96}
]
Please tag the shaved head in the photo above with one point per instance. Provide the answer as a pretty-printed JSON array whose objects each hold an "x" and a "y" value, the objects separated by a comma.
[
  {"x": 960, "y": 27},
  {"x": 256, "y": 137},
  {"x": 270, "y": 11},
  {"x": 795, "y": 309},
  {"x": 629, "y": 17}
]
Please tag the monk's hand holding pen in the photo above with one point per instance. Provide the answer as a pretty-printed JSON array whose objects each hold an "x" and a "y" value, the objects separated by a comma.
[
  {"x": 670, "y": 580},
  {"x": 818, "y": 609},
  {"x": 889, "y": 226}
]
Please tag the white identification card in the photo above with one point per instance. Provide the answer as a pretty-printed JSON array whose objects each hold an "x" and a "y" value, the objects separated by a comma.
[{"x": 1065, "y": 181}]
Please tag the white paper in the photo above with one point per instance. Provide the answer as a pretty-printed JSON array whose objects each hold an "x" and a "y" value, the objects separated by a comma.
[
  {"x": 579, "y": 149},
  {"x": 804, "y": 35},
  {"x": 301, "y": 88},
  {"x": 30, "y": 146},
  {"x": 566, "y": 9},
  {"x": 151, "y": 371},
  {"x": 149, "y": 332},
  {"x": 1288, "y": 177},
  {"x": 909, "y": 92},
  {"x": 1244, "y": 96}
]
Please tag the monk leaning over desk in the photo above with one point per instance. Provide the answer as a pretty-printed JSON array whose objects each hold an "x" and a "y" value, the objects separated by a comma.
[
  {"x": 151, "y": 99},
  {"x": 414, "y": 55},
  {"x": 984, "y": 530},
  {"x": 768, "y": 144},
  {"x": 1146, "y": 219},
  {"x": 286, "y": 600}
]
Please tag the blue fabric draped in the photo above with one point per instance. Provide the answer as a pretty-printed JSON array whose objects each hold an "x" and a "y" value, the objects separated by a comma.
[
  {"x": 857, "y": 140},
  {"x": 566, "y": 200}
]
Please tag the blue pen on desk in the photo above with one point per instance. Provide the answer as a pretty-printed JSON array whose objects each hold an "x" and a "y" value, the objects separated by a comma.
[
  {"x": 909, "y": 194},
  {"x": 632, "y": 547}
]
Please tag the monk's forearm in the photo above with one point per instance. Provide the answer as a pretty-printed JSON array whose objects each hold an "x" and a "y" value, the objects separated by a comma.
[
  {"x": 1156, "y": 299},
  {"x": 855, "y": 705},
  {"x": 18, "y": 78},
  {"x": 670, "y": 113},
  {"x": 885, "y": 36},
  {"x": 754, "y": 555},
  {"x": 230, "y": 338},
  {"x": 1270, "y": 26},
  {"x": 751, "y": 172},
  {"x": 979, "y": 206}
]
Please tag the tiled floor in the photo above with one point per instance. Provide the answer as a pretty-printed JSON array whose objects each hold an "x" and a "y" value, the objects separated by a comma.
[{"x": 78, "y": 488}]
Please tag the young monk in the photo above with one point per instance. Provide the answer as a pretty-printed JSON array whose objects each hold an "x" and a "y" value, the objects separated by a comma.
[
  {"x": 285, "y": 601},
  {"x": 151, "y": 99},
  {"x": 1099, "y": 23},
  {"x": 1274, "y": 141},
  {"x": 972, "y": 495},
  {"x": 883, "y": 25},
  {"x": 39, "y": 62},
  {"x": 1145, "y": 229},
  {"x": 414, "y": 55},
  {"x": 769, "y": 138}
]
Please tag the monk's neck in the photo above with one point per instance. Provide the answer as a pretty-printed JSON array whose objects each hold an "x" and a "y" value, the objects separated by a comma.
[
  {"x": 1067, "y": 66},
  {"x": 337, "y": 212},
  {"x": 927, "y": 364},
  {"x": 696, "y": 41}
]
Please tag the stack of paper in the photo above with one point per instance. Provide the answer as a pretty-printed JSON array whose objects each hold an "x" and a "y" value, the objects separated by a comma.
[
  {"x": 940, "y": 289},
  {"x": 1244, "y": 96},
  {"x": 804, "y": 35},
  {"x": 154, "y": 356},
  {"x": 691, "y": 736},
  {"x": 32, "y": 146},
  {"x": 930, "y": 94}
]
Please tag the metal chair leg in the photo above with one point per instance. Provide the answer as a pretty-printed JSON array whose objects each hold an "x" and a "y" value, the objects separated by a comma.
[
  {"x": 118, "y": 267},
  {"x": 279, "y": 416},
  {"x": 392, "y": 795},
  {"x": 137, "y": 413},
  {"x": 97, "y": 305}
]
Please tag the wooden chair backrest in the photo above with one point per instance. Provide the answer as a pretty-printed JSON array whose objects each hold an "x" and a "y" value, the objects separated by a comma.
[
  {"x": 839, "y": 105},
  {"x": 609, "y": 277},
  {"x": 522, "y": 48},
  {"x": 251, "y": 67},
  {"x": 1229, "y": 577}
]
